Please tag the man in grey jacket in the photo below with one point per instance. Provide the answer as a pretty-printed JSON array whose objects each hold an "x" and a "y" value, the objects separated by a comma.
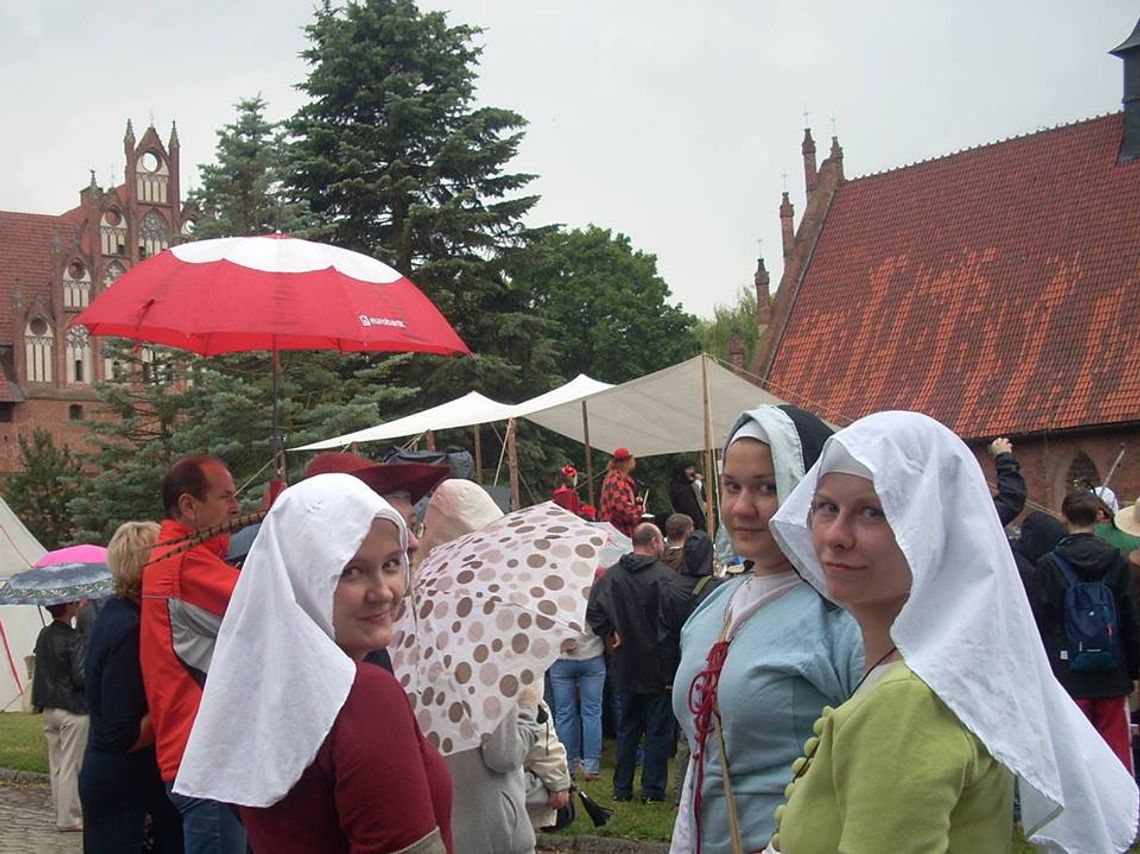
[{"x": 488, "y": 809}]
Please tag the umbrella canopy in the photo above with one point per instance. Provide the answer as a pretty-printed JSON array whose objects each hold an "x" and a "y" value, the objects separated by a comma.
[
  {"x": 56, "y": 584},
  {"x": 237, "y": 294},
  {"x": 489, "y": 612},
  {"x": 74, "y": 554}
]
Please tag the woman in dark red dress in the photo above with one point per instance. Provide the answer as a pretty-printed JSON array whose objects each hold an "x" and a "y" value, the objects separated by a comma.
[{"x": 320, "y": 749}]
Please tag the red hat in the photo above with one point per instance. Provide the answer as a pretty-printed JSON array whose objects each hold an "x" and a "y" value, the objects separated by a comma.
[
  {"x": 417, "y": 479},
  {"x": 622, "y": 454},
  {"x": 569, "y": 471}
]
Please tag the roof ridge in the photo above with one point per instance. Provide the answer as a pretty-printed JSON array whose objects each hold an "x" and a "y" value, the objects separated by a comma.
[
  {"x": 985, "y": 145},
  {"x": 30, "y": 214}
]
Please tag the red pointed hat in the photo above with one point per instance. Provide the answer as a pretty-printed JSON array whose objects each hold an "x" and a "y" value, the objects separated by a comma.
[
  {"x": 622, "y": 454},
  {"x": 418, "y": 479},
  {"x": 569, "y": 471}
]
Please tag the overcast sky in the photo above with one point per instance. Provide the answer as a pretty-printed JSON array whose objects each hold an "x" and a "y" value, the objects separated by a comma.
[{"x": 671, "y": 122}]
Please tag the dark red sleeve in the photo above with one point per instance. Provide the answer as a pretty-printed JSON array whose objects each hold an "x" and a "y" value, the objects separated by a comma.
[{"x": 383, "y": 791}]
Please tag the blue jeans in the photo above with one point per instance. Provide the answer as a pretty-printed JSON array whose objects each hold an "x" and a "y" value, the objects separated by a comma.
[
  {"x": 651, "y": 714},
  {"x": 574, "y": 683},
  {"x": 208, "y": 827}
]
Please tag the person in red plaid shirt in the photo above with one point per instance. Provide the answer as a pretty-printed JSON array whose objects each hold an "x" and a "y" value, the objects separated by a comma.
[{"x": 620, "y": 505}]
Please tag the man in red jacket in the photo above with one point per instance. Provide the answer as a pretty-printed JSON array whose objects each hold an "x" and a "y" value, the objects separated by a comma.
[{"x": 184, "y": 597}]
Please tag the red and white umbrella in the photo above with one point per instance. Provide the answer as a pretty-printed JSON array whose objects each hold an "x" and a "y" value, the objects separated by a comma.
[{"x": 237, "y": 294}]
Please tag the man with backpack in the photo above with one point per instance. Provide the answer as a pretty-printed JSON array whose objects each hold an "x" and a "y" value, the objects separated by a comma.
[{"x": 1082, "y": 599}]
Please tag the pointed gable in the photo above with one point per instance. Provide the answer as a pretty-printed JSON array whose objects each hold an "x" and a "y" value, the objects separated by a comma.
[{"x": 994, "y": 289}]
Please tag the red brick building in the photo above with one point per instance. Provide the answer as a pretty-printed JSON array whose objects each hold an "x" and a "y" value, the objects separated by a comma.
[
  {"x": 51, "y": 267},
  {"x": 995, "y": 289}
]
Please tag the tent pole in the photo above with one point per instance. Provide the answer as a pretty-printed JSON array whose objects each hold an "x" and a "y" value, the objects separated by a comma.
[
  {"x": 478, "y": 456},
  {"x": 709, "y": 462},
  {"x": 276, "y": 440},
  {"x": 429, "y": 437},
  {"x": 513, "y": 464},
  {"x": 589, "y": 458}
]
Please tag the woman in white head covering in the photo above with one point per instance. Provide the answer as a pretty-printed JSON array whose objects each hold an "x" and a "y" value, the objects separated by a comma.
[
  {"x": 319, "y": 749},
  {"x": 762, "y": 654},
  {"x": 895, "y": 523}
]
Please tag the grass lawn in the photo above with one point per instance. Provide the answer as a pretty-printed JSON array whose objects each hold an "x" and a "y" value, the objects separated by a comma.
[{"x": 22, "y": 744}]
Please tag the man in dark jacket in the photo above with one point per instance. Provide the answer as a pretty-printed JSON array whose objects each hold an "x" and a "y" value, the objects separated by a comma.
[
  {"x": 57, "y": 690},
  {"x": 625, "y": 609},
  {"x": 686, "y": 493},
  {"x": 1101, "y": 694},
  {"x": 694, "y": 581}
]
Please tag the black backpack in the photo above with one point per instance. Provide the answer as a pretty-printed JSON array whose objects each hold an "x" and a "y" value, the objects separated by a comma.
[{"x": 1092, "y": 628}]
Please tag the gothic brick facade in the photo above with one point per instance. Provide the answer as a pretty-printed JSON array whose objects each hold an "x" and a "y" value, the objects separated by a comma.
[{"x": 52, "y": 266}]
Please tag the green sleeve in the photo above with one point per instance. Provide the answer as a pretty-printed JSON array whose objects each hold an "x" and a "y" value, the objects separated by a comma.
[{"x": 900, "y": 761}]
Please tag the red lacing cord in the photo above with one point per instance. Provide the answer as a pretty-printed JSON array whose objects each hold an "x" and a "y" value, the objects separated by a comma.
[{"x": 703, "y": 705}]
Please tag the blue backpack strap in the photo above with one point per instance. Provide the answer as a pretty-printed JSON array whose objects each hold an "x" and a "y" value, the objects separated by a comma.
[{"x": 1066, "y": 567}]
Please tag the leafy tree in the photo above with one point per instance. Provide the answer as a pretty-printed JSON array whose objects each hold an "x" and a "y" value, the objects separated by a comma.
[
  {"x": 607, "y": 304},
  {"x": 50, "y": 476},
  {"x": 732, "y": 324}
]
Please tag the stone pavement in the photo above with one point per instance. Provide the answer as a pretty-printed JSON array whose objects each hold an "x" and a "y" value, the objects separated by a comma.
[{"x": 27, "y": 825}]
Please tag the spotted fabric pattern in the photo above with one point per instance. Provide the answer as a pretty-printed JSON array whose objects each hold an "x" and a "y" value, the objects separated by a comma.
[{"x": 487, "y": 616}]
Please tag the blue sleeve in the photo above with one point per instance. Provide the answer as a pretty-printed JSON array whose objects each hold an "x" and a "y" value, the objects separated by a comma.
[{"x": 121, "y": 689}]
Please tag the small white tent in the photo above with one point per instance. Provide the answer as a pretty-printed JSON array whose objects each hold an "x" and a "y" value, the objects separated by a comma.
[{"x": 19, "y": 624}]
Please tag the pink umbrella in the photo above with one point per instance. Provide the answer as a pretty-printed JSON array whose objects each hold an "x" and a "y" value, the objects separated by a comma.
[{"x": 73, "y": 554}]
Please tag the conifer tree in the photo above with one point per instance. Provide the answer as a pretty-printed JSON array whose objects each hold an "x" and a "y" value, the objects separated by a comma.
[{"x": 392, "y": 152}]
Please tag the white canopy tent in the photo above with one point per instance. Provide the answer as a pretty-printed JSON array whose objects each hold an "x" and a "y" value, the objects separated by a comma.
[
  {"x": 19, "y": 624},
  {"x": 469, "y": 410},
  {"x": 659, "y": 413}
]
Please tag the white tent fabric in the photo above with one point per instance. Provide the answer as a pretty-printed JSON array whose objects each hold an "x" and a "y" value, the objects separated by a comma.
[
  {"x": 19, "y": 624},
  {"x": 660, "y": 413},
  {"x": 579, "y": 387},
  {"x": 472, "y": 408},
  {"x": 467, "y": 411}
]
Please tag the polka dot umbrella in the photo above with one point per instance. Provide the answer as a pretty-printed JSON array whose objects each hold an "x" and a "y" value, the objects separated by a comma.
[{"x": 489, "y": 612}]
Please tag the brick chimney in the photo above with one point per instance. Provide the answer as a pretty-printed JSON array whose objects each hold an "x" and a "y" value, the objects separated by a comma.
[
  {"x": 763, "y": 301},
  {"x": 1129, "y": 51},
  {"x": 808, "y": 149},
  {"x": 787, "y": 227}
]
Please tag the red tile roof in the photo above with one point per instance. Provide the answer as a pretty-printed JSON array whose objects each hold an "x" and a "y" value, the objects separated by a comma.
[
  {"x": 26, "y": 261},
  {"x": 995, "y": 289}
]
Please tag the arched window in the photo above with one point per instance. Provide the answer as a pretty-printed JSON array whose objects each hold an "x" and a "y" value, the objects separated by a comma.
[
  {"x": 76, "y": 286},
  {"x": 78, "y": 356},
  {"x": 113, "y": 232},
  {"x": 38, "y": 338},
  {"x": 153, "y": 235},
  {"x": 1082, "y": 473},
  {"x": 152, "y": 176},
  {"x": 112, "y": 273}
]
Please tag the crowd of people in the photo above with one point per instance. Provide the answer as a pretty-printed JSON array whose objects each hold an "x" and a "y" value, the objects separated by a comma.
[{"x": 887, "y": 672}]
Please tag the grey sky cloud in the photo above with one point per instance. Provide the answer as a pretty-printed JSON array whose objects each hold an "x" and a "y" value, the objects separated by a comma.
[{"x": 671, "y": 122}]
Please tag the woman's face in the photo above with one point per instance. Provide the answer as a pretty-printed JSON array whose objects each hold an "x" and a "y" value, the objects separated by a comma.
[
  {"x": 369, "y": 591},
  {"x": 865, "y": 569},
  {"x": 748, "y": 501}
]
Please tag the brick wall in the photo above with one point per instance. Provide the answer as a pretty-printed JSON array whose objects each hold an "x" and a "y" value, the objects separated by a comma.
[{"x": 1046, "y": 461}]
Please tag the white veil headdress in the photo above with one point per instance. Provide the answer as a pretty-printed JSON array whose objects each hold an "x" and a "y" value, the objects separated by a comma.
[
  {"x": 967, "y": 630},
  {"x": 278, "y": 680}
]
